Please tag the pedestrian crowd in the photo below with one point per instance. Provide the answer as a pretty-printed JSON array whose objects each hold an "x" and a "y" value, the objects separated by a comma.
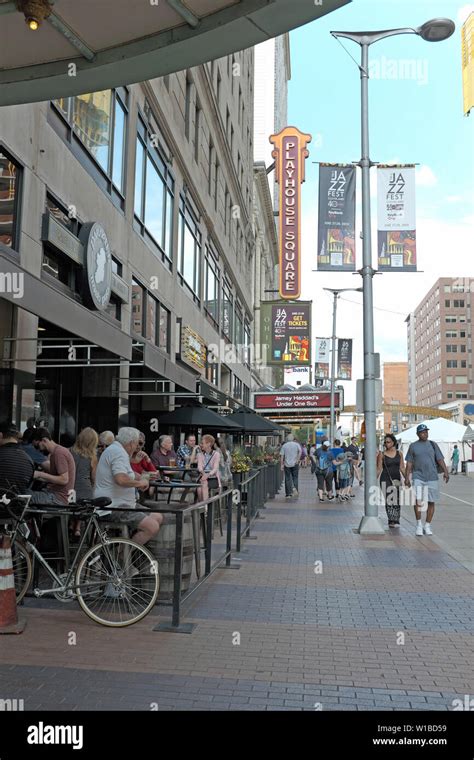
[{"x": 337, "y": 467}]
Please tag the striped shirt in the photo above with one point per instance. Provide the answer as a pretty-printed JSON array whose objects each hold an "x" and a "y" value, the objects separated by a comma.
[{"x": 16, "y": 468}]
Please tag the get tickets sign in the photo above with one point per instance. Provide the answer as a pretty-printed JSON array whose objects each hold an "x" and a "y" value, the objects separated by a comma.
[{"x": 290, "y": 153}]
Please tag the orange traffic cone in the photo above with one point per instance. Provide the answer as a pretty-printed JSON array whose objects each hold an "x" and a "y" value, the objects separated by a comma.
[{"x": 9, "y": 622}]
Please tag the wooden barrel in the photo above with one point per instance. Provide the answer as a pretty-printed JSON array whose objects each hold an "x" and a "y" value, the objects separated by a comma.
[{"x": 163, "y": 547}]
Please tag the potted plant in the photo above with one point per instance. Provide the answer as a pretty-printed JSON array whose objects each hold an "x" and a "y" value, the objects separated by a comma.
[{"x": 241, "y": 464}]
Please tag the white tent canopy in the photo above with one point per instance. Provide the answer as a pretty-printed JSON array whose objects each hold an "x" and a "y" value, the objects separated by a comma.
[{"x": 444, "y": 432}]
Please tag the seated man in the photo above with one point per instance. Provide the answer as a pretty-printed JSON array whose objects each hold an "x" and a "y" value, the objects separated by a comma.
[
  {"x": 116, "y": 479},
  {"x": 163, "y": 454},
  {"x": 16, "y": 467},
  {"x": 62, "y": 471}
]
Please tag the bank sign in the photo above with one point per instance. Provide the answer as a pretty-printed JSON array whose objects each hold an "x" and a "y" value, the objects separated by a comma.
[
  {"x": 297, "y": 401},
  {"x": 290, "y": 153}
]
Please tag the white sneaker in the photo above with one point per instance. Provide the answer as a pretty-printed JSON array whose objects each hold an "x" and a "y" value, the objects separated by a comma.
[
  {"x": 295, "y": 492},
  {"x": 427, "y": 529},
  {"x": 419, "y": 530}
]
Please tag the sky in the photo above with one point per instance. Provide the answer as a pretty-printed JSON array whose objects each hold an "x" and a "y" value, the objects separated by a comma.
[{"x": 419, "y": 120}]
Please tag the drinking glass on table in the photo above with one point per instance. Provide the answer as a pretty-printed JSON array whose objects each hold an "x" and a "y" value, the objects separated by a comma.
[{"x": 172, "y": 462}]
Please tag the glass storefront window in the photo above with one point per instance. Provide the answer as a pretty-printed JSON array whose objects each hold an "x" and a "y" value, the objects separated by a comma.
[{"x": 9, "y": 191}]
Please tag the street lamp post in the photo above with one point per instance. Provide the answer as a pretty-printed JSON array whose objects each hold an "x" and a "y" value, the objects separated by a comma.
[
  {"x": 435, "y": 30},
  {"x": 335, "y": 292}
]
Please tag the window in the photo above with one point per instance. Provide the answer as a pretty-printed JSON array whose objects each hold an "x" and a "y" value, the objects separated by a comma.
[
  {"x": 227, "y": 311},
  {"x": 462, "y": 349},
  {"x": 458, "y": 304},
  {"x": 164, "y": 327},
  {"x": 450, "y": 319},
  {"x": 211, "y": 284},
  {"x": 239, "y": 327},
  {"x": 463, "y": 364},
  {"x": 218, "y": 90},
  {"x": 114, "y": 308},
  {"x": 149, "y": 318},
  {"x": 237, "y": 387},
  {"x": 9, "y": 201},
  {"x": 462, "y": 334},
  {"x": 98, "y": 122},
  {"x": 187, "y": 105},
  {"x": 189, "y": 248},
  {"x": 452, "y": 364},
  {"x": 450, "y": 395},
  {"x": 216, "y": 184},
  {"x": 247, "y": 342},
  {"x": 460, "y": 380},
  {"x": 451, "y": 334},
  {"x": 197, "y": 127},
  {"x": 451, "y": 348},
  {"x": 211, "y": 165},
  {"x": 211, "y": 372},
  {"x": 447, "y": 304},
  {"x": 54, "y": 263},
  {"x": 138, "y": 303},
  {"x": 246, "y": 395},
  {"x": 154, "y": 192},
  {"x": 447, "y": 288},
  {"x": 460, "y": 395}
]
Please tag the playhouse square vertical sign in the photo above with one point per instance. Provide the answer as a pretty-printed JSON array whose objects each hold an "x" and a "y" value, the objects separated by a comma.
[{"x": 290, "y": 153}]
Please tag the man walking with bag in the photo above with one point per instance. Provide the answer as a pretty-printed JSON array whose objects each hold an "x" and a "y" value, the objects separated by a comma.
[
  {"x": 290, "y": 454},
  {"x": 425, "y": 459}
]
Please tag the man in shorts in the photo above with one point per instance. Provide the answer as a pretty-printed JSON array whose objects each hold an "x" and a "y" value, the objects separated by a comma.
[
  {"x": 116, "y": 479},
  {"x": 423, "y": 457}
]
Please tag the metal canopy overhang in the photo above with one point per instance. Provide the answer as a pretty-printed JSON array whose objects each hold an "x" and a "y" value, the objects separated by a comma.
[{"x": 86, "y": 47}]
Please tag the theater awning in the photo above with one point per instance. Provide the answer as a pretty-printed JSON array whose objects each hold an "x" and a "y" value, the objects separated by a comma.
[{"x": 93, "y": 45}]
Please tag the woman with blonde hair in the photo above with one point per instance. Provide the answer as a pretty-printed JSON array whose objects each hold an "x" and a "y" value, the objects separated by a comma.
[
  {"x": 208, "y": 461},
  {"x": 84, "y": 453}
]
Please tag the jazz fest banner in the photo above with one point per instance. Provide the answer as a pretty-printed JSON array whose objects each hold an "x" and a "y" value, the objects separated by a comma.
[
  {"x": 396, "y": 234},
  {"x": 336, "y": 218},
  {"x": 286, "y": 332},
  {"x": 290, "y": 153},
  {"x": 321, "y": 367},
  {"x": 344, "y": 358}
]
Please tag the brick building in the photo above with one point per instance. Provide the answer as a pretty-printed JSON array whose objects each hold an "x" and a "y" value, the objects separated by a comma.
[{"x": 439, "y": 335}]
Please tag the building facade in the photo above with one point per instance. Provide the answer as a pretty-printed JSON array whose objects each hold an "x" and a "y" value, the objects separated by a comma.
[
  {"x": 127, "y": 250},
  {"x": 395, "y": 391},
  {"x": 440, "y": 344}
]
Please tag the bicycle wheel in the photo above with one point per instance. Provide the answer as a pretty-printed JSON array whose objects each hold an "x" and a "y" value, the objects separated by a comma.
[
  {"x": 22, "y": 570},
  {"x": 117, "y": 582}
]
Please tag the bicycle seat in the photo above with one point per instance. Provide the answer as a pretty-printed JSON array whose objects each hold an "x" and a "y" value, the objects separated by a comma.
[{"x": 100, "y": 501}]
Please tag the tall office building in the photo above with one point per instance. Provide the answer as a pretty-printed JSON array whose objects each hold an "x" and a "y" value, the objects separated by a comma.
[{"x": 440, "y": 343}]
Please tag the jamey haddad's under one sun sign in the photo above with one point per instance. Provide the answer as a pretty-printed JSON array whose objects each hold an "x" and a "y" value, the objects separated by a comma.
[{"x": 290, "y": 153}]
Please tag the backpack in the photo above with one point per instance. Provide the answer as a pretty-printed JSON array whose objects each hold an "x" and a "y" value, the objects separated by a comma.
[{"x": 323, "y": 463}]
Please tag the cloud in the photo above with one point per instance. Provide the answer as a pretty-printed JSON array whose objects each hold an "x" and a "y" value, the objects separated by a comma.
[
  {"x": 455, "y": 199},
  {"x": 464, "y": 12},
  {"x": 425, "y": 177},
  {"x": 442, "y": 251}
]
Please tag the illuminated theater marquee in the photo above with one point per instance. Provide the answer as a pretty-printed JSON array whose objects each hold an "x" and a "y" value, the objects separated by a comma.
[{"x": 290, "y": 153}]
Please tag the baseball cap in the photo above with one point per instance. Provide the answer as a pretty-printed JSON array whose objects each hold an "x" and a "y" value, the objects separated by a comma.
[
  {"x": 325, "y": 443},
  {"x": 420, "y": 428}
]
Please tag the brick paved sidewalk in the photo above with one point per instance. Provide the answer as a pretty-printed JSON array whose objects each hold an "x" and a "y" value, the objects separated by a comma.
[{"x": 308, "y": 640}]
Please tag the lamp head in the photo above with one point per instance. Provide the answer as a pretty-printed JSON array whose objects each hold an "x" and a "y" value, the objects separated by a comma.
[{"x": 436, "y": 30}]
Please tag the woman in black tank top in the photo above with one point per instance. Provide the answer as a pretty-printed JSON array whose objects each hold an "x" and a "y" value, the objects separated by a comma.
[{"x": 390, "y": 468}]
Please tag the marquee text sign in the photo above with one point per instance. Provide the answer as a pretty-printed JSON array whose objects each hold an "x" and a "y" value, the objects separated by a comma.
[
  {"x": 297, "y": 401},
  {"x": 290, "y": 153}
]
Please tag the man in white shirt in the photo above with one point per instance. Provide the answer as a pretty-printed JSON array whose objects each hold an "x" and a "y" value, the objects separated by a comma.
[
  {"x": 290, "y": 455},
  {"x": 116, "y": 480}
]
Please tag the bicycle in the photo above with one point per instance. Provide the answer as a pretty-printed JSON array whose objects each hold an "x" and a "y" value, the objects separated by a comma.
[{"x": 116, "y": 581}]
